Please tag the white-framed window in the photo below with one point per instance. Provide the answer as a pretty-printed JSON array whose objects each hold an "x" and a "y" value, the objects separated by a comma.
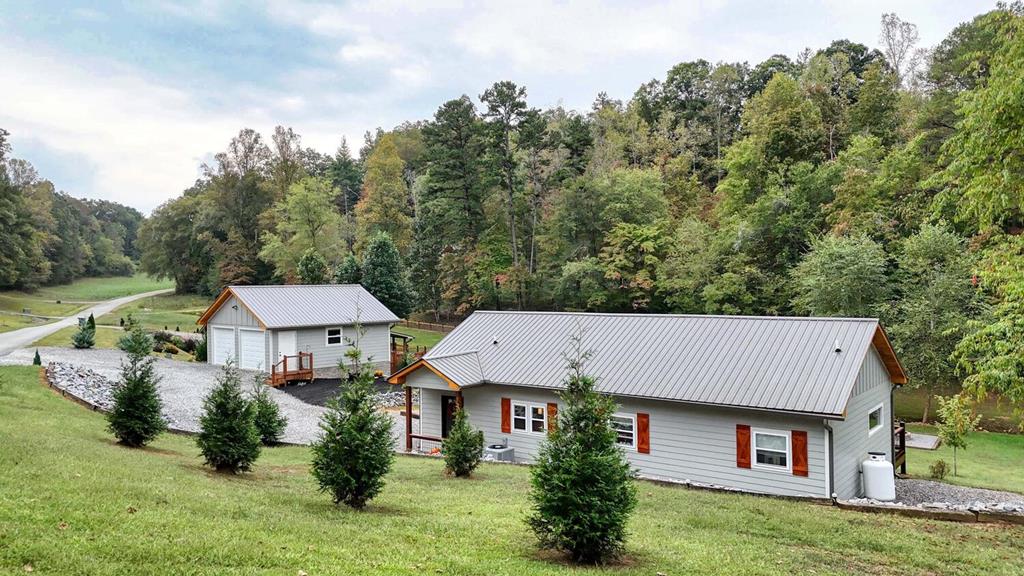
[
  {"x": 625, "y": 429},
  {"x": 529, "y": 418},
  {"x": 334, "y": 337},
  {"x": 770, "y": 449},
  {"x": 876, "y": 419}
]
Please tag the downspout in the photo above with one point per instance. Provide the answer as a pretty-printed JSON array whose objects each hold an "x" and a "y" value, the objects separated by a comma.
[{"x": 831, "y": 468}]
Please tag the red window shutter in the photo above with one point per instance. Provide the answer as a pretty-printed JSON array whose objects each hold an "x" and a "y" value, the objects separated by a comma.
[
  {"x": 506, "y": 415},
  {"x": 743, "y": 446},
  {"x": 643, "y": 433},
  {"x": 799, "y": 453},
  {"x": 552, "y": 415}
]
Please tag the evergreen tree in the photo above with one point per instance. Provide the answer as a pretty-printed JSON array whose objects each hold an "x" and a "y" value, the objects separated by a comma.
[
  {"x": 84, "y": 338},
  {"x": 347, "y": 177},
  {"x": 463, "y": 447},
  {"x": 36, "y": 360},
  {"x": 312, "y": 268},
  {"x": 384, "y": 276},
  {"x": 266, "y": 413},
  {"x": 582, "y": 486},
  {"x": 228, "y": 437},
  {"x": 349, "y": 271},
  {"x": 135, "y": 419},
  {"x": 356, "y": 448}
]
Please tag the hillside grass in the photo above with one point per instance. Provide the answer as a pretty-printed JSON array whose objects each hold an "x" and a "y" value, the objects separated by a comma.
[
  {"x": 163, "y": 312},
  {"x": 74, "y": 502},
  {"x": 59, "y": 301},
  {"x": 427, "y": 338},
  {"x": 10, "y": 322},
  {"x": 991, "y": 460},
  {"x": 997, "y": 416}
]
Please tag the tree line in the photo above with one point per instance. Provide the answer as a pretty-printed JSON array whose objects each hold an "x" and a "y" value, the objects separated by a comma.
[
  {"x": 844, "y": 181},
  {"x": 49, "y": 237}
]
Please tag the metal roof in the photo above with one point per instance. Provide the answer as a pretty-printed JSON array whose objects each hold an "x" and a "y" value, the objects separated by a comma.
[
  {"x": 770, "y": 363},
  {"x": 297, "y": 306}
]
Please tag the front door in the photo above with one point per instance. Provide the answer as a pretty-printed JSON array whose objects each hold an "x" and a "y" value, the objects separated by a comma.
[
  {"x": 447, "y": 414},
  {"x": 286, "y": 344}
]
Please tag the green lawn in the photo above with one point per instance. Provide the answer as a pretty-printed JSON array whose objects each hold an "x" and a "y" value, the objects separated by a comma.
[
  {"x": 427, "y": 338},
  {"x": 991, "y": 460},
  {"x": 10, "y": 322},
  {"x": 96, "y": 289},
  {"x": 996, "y": 416},
  {"x": 157, "y": 312},
  {"x": 74, "y": 502},
  {"x": 106, "y": 337}
]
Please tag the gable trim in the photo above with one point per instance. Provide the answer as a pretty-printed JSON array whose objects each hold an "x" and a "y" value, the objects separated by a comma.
[
  {"x": 400, "y": 376},
  {"x": 221, "y": 299}
]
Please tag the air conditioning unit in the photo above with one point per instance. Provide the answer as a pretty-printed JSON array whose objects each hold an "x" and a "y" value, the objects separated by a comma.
[{"x": 499, "y": 452}]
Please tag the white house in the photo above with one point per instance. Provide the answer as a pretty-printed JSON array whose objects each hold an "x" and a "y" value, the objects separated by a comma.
[
  {"x": 297, "y": 332},
  {"x": 786, "y": 406}
]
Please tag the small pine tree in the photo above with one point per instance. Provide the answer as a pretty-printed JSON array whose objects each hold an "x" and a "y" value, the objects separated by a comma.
[
  {"x": 91, "y": 323},
  {"x": 312, "y": 268},
  {"x": 200, "y": 353},
  {"x": 582, "y": 485},
  {"x": 955, "y": 412},
  {"x": 463, "y": 447},
  {"x": 267, "y": 414},
  {"x": 349, "y": 271},
  {"x": 228, "y": 437},
  {"x": 36, "y": 360},
  {"x": 135, "y": 419},
  {"x": 84, "y": 338},
  {"x": 356, "y": 448}
]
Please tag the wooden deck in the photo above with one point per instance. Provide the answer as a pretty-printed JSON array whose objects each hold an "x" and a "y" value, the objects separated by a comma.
[{"x": 298, "y": 368}]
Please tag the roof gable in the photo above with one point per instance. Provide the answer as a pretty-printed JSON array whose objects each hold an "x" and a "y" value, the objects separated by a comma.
[
  {"x": 297, "y": 306},
  {"x": 771, "y": 363}
]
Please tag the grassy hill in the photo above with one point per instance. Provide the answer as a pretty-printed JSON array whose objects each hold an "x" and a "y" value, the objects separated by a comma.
[{"x": 75, "y": 502}]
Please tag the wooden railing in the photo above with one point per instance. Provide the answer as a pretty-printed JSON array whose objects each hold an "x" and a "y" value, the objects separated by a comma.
[
  {"x": 899, "y": 446},
  {"x": 399, "y": 353},
  {"x": 292, "y": 368}
]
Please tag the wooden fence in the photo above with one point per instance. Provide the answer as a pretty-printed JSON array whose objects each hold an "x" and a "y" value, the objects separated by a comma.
[{"x": 443, "y": 328}]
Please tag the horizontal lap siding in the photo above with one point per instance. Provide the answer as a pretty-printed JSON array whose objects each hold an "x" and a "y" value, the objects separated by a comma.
[
  {"x": 851, "y": 442},
  {"x": 687, "y": 442},
  {"x": 374, "y": 344}
]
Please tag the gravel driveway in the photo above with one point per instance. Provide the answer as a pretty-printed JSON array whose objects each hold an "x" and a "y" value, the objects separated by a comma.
[
  {"x": 914, "y": 492},
  {"x": 182, "y": 387}
]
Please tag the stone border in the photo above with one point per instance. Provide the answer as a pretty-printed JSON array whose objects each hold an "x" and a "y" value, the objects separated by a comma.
[{"x": 935, "y": 514}]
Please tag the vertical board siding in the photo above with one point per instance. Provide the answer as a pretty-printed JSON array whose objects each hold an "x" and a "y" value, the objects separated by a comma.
[
  {"x": 687, "y": 442},
  {"x": 228, "y": 316},
  {"x": 851, "y": 442}
]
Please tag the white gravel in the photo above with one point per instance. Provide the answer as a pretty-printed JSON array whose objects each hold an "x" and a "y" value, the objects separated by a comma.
[
  {"x": 914, "y": 492},
  {"x": 183, "y": 385}
]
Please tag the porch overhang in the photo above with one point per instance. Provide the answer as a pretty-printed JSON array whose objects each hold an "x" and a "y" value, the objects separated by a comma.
[{"x": 399, "y": 377}]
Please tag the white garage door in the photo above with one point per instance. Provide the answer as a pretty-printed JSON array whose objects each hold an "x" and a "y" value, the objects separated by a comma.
[
  {"x": 253, "y": 355},
  {"x": 223, "y": 345}
]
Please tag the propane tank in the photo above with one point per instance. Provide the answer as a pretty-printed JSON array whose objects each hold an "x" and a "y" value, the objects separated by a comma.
[{"x": 879, "y": 479}]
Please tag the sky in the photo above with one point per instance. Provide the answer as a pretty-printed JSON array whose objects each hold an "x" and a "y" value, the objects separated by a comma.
[{"x": 126, "y": 101}]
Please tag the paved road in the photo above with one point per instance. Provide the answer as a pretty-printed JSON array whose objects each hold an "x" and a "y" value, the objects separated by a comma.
[{"x": 15, "y": 339}]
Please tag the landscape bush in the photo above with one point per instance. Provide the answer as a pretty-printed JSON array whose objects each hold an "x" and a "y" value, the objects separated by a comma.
[
  {"x": 582, "y": 486},
  {"x": 84, "y": 338},
  {"x": 355, "y": 449},
  {"x": 163, "y": 336},
  {"x": 136, "y": 419},
  {"x": 938, "y": 469},
  {"x": 269, "y": 421},
  {"x": 200, "y": 351},
  {"x": 463, "y": 447},
  {"x": 228, "y": 437},
  {"x": 36, "y": 360}
]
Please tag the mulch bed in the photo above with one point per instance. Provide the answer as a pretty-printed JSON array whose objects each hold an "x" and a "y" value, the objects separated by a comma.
[{"x": 323, "y": 389}]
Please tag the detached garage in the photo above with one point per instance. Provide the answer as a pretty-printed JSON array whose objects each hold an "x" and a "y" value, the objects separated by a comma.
[{"x": 296, "y": 331}]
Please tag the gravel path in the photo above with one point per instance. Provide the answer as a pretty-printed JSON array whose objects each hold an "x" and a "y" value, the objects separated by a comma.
[
  {"x": 914, "y": 492},
  {"x": 182, "y": 387}
]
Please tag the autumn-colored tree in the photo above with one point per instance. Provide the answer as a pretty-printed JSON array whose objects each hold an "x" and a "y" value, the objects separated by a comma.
[{"x": 384, "y": 206}]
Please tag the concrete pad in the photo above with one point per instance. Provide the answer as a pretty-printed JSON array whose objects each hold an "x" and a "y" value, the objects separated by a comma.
[{"x": 922, "y": 441}]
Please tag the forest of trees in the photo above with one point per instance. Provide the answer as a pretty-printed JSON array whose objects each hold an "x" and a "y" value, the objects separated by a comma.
[
  {"x": 844, "y": 181},
  {"x": 48, "y": 237}
]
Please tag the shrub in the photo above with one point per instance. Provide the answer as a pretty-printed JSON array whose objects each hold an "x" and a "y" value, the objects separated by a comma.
[
  {"x": 188, "y": 345},
  {"x": 355, "y": 449},
  {"x": 582, "y": 486},
  {"x": 36, "y": 360},
  {"x": 84, "y": 338},
  {"x": 163, "y": 336},
  {"x": 135, "y": 419},
  {"x": 268, "y": 418},
  {"x": 171, "y": 348},
  {"x": 200, "y": 352},
  {"x": 938, "y": 469},
  {"x": 228, "y": 437},
  {"x": 463, "y": 447}
]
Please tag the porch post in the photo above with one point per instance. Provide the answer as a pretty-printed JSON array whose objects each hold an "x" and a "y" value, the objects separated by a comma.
[
  {"x": 458, "y": 399},
  {"x": 408, "y": 419}
]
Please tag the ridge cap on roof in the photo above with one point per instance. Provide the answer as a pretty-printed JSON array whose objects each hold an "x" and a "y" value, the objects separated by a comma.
[
  {"x": 665, "y": 315},
  {"x": 233, "y": 286}
]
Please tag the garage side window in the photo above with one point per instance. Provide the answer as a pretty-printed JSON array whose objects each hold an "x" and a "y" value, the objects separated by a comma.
[
  {"x": 771, "y": 449},
  {"x": 875, "y": 419},
  {"x": 334, "y": 337}
]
